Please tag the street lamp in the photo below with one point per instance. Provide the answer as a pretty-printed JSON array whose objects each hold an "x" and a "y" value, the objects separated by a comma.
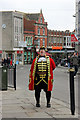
[{"x": 66, "y": 52}]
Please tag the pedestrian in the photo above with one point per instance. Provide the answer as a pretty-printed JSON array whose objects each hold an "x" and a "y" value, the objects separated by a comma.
[
  {"x": 2, "y": 62},
  {"x": 74, "y": 62},
  {"x": 41, "y": 76},
  {"x": 11, "y": 62},
  {"x": 68, "y": 60},
  {"x": 5, "y": 61},
  {"x": 8, "y": 61}
]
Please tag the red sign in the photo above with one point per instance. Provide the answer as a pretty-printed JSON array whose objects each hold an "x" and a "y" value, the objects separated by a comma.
[
  {"x": 57, "y": 47},
  {"x": 0, "y": 51},
  {"x": 73, "y": 38},
  {"x": 19, "y": 52}
]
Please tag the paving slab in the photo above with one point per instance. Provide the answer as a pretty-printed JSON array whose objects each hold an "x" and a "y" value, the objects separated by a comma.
[{"x": 21, "y": 104}]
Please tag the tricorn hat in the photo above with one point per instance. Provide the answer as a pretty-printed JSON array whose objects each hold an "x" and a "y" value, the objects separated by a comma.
[{"x": 42, "y": 48}]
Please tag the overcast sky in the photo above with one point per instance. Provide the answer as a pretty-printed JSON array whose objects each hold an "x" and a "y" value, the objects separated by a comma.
[{"x": 57, "y": 13}]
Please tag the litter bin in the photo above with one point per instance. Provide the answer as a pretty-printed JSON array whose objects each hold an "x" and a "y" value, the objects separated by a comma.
[{"x": 4, "y": 78}]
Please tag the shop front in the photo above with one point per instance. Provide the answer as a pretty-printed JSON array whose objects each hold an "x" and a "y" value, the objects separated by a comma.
[
  {"x": 29, "y": 55},
  {"x": 11, "y": 55},
  {"x": 19, "y": 58}
]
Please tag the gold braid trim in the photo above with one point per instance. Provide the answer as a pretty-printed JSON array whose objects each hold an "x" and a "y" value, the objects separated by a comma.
[
  {"x": 35, "y": 67},
  {"x": 48, "y": 64}
]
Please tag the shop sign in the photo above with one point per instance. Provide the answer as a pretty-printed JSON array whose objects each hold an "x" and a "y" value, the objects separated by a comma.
[
  {"x": 0, "y": 51},
  {"x": 19, "y": 52}
]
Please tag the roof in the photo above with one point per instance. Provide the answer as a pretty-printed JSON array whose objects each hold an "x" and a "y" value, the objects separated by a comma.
[
  {"x": 34, "y": 16},
  {"x": 28, "y": 25}
]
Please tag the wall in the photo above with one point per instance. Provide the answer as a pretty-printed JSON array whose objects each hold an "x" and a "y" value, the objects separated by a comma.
[
  {"x": 0, "y": 30},
  {"x": 7, "y": 31}
]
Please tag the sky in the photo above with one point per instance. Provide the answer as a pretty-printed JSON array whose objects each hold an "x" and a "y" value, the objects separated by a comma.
[{"x": 57, "y": 13}]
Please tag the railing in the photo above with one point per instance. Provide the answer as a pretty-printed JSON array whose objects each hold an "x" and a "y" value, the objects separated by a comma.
[{"x": 7, "y": 77}]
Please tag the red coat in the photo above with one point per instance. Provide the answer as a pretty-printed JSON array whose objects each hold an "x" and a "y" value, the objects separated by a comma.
[{"x": 51, "y": 67}]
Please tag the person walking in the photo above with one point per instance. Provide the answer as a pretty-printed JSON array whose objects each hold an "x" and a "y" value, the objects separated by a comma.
[
  {"x": 8, "y": 61},
  {"x": 41, "y": 76},
  {"x": 68, "y": 60},
  {"x": 74, "y": 62}
]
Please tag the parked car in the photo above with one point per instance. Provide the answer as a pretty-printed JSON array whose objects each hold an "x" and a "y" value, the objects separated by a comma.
[{"x": 64, "y": 62}]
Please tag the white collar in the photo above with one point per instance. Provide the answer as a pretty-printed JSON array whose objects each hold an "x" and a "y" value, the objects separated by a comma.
[{"x": 42, "y": 59}]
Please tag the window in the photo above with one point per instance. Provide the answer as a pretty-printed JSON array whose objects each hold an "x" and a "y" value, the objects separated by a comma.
[
  {"x": 41, "y": 19},
  {"x": 26, "y": 40},
  {"x": 38, "y": 31},
  {"x": 38, "y": 42},
  {"x": 43, "y": 42},
  {"x": 43, "y": 31},
  {"x": 31, "y": 40}
]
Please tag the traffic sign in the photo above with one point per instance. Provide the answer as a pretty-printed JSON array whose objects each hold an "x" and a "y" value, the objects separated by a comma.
[{"x": 73, "y": 38}]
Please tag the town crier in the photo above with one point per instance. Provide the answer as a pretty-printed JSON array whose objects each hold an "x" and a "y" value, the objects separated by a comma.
[{"x": 41, "y": 76}]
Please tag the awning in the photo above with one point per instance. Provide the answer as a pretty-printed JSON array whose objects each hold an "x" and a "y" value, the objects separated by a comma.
[{"x": 61, "y": 51}]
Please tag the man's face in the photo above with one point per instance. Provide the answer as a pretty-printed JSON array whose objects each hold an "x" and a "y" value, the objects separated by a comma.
[
  {"x": 74, "y": 54},
  {"x": 42, "y": 52}
]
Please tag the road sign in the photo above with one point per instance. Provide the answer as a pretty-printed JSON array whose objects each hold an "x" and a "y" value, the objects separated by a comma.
[{"x": 73, "y": 38}]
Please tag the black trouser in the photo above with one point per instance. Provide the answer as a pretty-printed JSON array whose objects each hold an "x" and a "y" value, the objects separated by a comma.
[{"x": 37, "y": 95}]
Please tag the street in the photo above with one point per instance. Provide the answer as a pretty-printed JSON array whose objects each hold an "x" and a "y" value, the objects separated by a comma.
[
  {"x": 20, "y": 103},
  {"x": 61, "y": 82}
]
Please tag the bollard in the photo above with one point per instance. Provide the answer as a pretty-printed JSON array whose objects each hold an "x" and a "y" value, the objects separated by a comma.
[
  {"x": 72, "y": 96},
  {"x": 15, "y": 76}
]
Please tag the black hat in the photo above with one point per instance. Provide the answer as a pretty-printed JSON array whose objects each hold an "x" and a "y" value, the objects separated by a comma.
[{"x": 42, "y": 48}]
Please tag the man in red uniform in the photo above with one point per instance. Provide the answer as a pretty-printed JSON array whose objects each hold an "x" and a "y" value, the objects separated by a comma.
[{"x": 41, "y": 76}]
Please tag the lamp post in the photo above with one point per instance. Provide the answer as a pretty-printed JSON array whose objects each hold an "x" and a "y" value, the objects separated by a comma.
[{"x": 66, "y": 52}]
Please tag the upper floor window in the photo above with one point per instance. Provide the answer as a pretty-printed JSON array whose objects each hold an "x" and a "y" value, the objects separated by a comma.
[
  {"x": 41, "y": 19},
  {"x": 38, "y": 31},
  {"x": 29, "y": 40},
  {"x": 43, "y": 31}
]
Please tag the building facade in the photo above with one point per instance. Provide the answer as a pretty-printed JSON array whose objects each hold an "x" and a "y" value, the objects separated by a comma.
[
  {"x": 77, "y": 24},
  {"x": 11, "y": 33},
  {"x": 35, "y": 34},
  {"x": 22, "y": 34},
  {"x": 59, "y": 43}
]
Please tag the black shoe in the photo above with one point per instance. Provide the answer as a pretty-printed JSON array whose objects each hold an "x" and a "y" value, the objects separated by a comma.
[
  {"x": 48, "y": 105},
  {"x": 37, "y": 105}
]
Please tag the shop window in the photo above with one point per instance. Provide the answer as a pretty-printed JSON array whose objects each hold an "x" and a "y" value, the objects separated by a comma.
[
  {"x": 28, "y": 56},
  {"x": 38, "y": 42},
  {"x": 19, "y": 58},
  {"x": 25, "y": 56}
]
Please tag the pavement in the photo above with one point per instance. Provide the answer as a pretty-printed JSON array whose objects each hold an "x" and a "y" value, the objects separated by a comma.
[{"x": 20, "y": 103}]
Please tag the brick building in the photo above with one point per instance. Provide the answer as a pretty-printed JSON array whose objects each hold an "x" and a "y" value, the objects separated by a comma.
[
  {"x": 59, "y": 43},
  {"x": 35, "y": 34}
]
